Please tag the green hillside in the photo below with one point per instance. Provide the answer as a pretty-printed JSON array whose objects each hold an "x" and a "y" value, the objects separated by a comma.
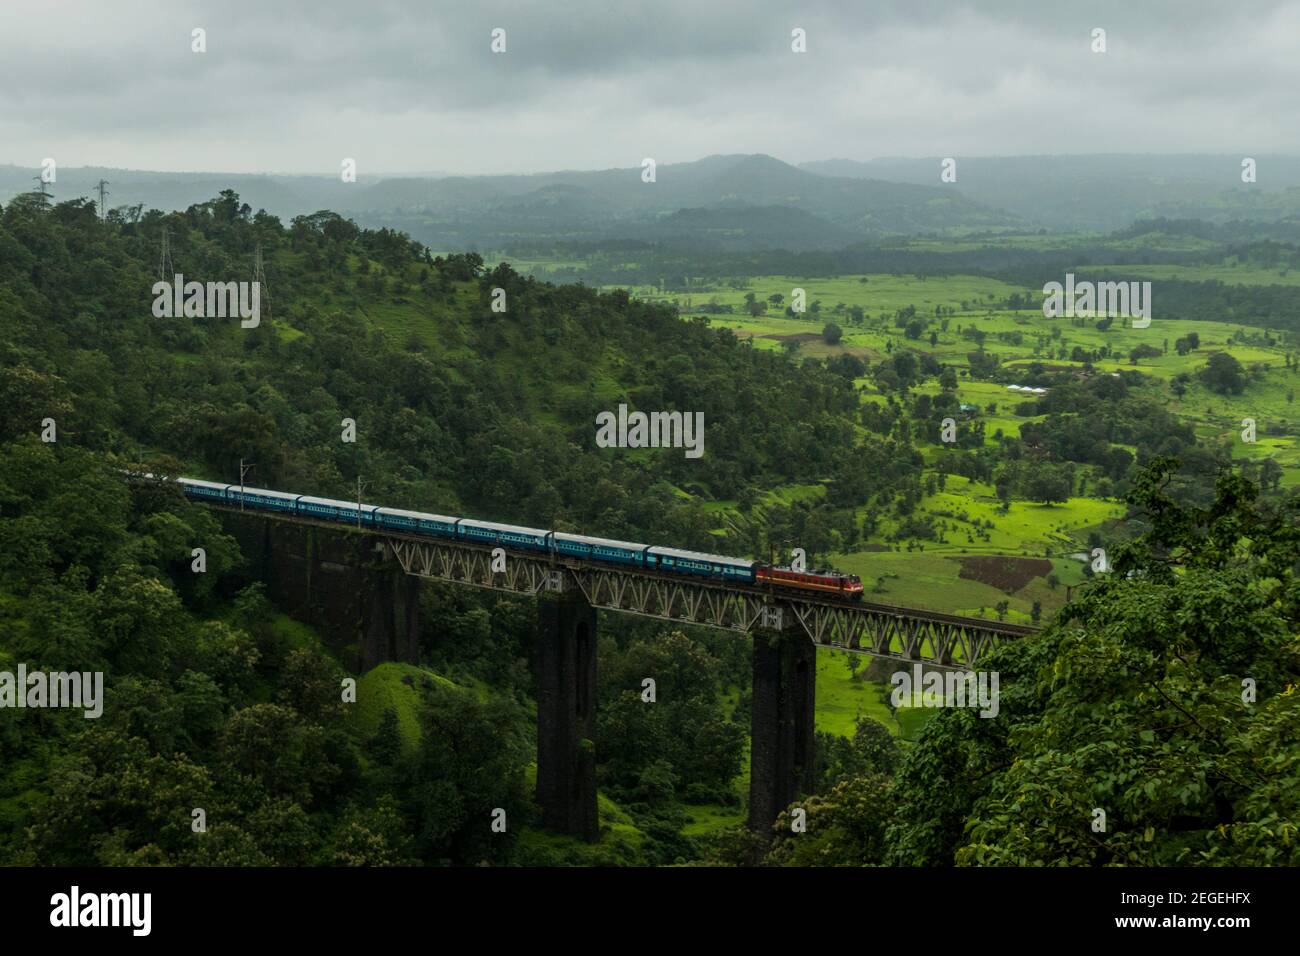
[{"x": 877, "y": 432}]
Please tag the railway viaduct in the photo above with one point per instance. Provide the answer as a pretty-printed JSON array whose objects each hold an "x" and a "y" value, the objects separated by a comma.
[{"x": 360, "y": 587}]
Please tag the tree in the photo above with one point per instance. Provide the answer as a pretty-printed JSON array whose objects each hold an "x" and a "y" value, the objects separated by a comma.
[
  {"x": 275, "y": 747},
  {"x": 657, "y": 783},
  {"x": 310, "y": 685},
  {"x": 904, "y": 365},
  {"x": 1223, "y": 374},
  {"x": 386, "y": 744},
  {"x": 1048, "y": 485},
  {"x": 1143, "y": 715},
  {"x": 29, "y": 397},
  {"x": 846, "y": 827},
  {"x": 470, "y": 761},
  {"x": 371, "y": 836},
  {"x": 682, "y": 727},
  {"x": 1117, "y": 462},
  {"x": 832, "y": 333},
  {"x": 1270, "y": 474},
  {"x": 99, "y": 814}
]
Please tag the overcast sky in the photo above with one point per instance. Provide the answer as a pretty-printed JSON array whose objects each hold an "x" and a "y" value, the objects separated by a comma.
[{"x": 289, "y": 86}]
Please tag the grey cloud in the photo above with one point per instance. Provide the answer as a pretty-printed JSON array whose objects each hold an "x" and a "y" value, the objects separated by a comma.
[{"x": 413, "y": 86}]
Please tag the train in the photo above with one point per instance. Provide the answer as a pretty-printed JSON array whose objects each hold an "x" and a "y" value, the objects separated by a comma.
[{"x": 559, "y": 544}]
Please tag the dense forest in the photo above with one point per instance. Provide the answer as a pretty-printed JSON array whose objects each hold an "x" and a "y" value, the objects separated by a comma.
[
  {"x": 1131, "y": 702},
  {"x": 490, "y": 416}
]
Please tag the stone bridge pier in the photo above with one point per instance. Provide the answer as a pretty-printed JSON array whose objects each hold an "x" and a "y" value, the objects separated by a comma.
[
  {"x": 782, "y": 743},
  {"x": 566, "y": 715},
  {"x": 781, "y": 729},
  {"x": 349, "y": 586},
  {"x": 339, "y": 581}
]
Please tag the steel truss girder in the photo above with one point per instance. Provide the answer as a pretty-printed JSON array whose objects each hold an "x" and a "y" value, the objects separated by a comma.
[
  {"x": 887, "y": 634},
  {"x": 473, "y": 566},
  {"x": 689, "y": 602},
  {"x": 864, "y": 630}
]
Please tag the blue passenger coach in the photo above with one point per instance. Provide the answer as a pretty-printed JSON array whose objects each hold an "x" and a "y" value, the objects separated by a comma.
[
  {"x": 506, "y": 535},
  {"x": 600, "y": 549},
  {"x": 262, "y": 498},
  {"x": 208, "y": 490},
  {"x": 331, "y": 509},
  {"x": 677, "y": 561},
  {"x": 416, "y": 522}
]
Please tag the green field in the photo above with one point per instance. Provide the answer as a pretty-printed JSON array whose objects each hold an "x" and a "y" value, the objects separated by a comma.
[
  {"x": 927, "y": 574},
  {"x": 843, "y": 698}
]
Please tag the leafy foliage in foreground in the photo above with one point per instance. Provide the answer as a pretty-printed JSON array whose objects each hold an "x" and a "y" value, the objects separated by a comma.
[
  {"x": 1132, "y": 704},
  {"x": 1136, "y": 703}
]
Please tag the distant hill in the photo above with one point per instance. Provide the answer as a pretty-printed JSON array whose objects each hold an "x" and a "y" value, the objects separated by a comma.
[
  {"x": 285, "y": 196},
  {"x": 740, "y": 228},
  {"x": 740, "y": 201},
  {"x": 723, "y": 194},
  {"x": 1102, "y": 192}
]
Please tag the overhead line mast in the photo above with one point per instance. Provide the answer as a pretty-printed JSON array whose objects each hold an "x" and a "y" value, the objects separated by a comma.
[
  {"x": 45, "y": 196},
  {"x": 259, "y": 276},
  {"x": 165, "y": 267}
]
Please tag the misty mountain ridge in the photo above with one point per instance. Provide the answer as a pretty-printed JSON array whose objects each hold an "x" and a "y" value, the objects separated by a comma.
[
  {"x": 739, "y": 201},
  {"x": 1102, "y": 192}
]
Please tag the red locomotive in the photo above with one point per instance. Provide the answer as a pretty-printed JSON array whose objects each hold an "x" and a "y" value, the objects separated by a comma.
[{"x": 826, "y": 582}]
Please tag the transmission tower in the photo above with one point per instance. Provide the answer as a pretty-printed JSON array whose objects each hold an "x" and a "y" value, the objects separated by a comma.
[
  {"x": 45, "y": 196},
  {"x": 103, "y": 210},
  {"x": 165, "y": 268},
  {"x": 259, "y": 276}
]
